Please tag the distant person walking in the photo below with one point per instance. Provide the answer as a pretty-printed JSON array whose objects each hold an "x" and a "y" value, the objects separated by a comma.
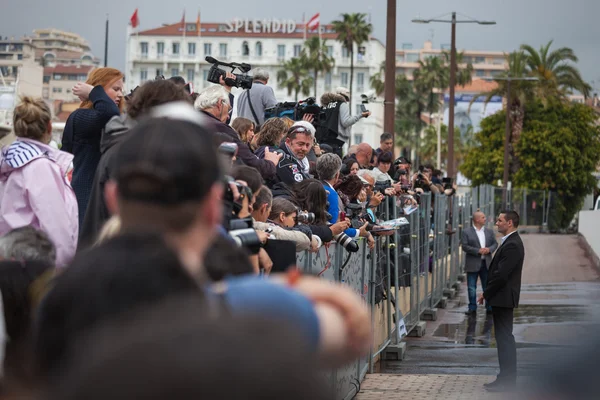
[
  {"x": 502, "y": 293},
  {"x": 478, "y": 243}
]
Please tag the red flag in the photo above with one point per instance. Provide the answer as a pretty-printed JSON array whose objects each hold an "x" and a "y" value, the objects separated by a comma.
[
  {"x": 314, "y": 22},
  {"x": 134, "y": 21}
]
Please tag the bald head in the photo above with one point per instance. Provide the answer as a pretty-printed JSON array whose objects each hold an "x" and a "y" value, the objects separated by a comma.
[
  {"x": 364, "y": 152},
  {"x": 478, "y": 219}
]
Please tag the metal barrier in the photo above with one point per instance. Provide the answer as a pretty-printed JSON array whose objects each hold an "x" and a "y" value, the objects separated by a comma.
[{"x": 409, "y": 274}]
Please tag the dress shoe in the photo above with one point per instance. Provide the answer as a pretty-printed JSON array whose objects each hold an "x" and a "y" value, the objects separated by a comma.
[
  {"x": 471, "y": 312},
  {"x": 492, "y": 384},
  {"x": 502, "y": 387}
]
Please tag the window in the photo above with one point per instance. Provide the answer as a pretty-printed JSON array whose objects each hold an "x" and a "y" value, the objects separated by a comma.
[
  {"x": 19, "y": 56},
  {"x": 360, "y": 81},
  {"x": 407, "y": 46},
  {"x": 344, "y": 79},
  {"x": 345, "y": 53},
  {"x": 223, "y": 50},
  {"x": 57, "y": 77},
  {"x": 479, "y": 72},
  {"x": 259, "y": 49},
  {"x": 190, "y": 75},
  {"x": 82, "y": 77},
  {"x": 412, "y": 57},
  {"x": 497, "y": 73},
  {"x": 245, "y": 49},
  {"x": 144, "y": 48},
  {"x": 281, "y": 51},
  {"x": 479, "y": 60},
  {"x": 160, "y": 49},
  {"x": 143, "y": 75},
  {"x": 175, "y": 48},
  {"x": 47, "y": 79},
  {"x": 54, "y": 90},
  {"x": 330, "y": 51},
  {"x": 207, "y": 49},
  {"x": 72, "y": 77},
  {"x": 192, "y": 49},
  {"x": 358, "y": 138},
  {"x": 205, "y": 78},
  {"x": 297, "y": 50},
  {"x": 328, "y": 81},
  {"x": 174, "y": 71}
]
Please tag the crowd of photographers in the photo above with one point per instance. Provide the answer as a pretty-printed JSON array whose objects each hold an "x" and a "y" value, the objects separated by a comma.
[{"x": 159, "y": 200}]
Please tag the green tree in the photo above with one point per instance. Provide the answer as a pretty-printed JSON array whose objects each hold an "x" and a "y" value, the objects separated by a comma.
[
  {"x": 557, "y": 76},
  {"x": 352, "y": 29},
  {"x": 410, "y": 105},
  {"x": 295, "y": 77},
  {"x": 317, "y": 58},
  {"x": 377, "y": 80},
  {"x": 558, "y": 151},
  {"x": 464, "y": 70},
  {"x": 428, "y": 147}
]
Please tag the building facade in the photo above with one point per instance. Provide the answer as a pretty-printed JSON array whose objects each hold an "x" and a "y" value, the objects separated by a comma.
[
  {"x": 485, "y": 63},
  {"x": 174, "y": 50},
  {"x": 55, "y": 47},
  {"x": 60, "y": 79}
]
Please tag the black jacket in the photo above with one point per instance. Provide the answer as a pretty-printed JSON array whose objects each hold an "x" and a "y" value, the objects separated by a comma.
[
  {"x": 96, "y": 213},
  {"x": 288, "y": 170},
  {"x": 504, "y": 277},
  {"x": 226, "y": 133}
]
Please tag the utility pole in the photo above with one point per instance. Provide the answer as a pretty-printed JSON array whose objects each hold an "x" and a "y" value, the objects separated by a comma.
[
  {"x": 390, "y": 72},
  {"x": 106, "y": 43}
]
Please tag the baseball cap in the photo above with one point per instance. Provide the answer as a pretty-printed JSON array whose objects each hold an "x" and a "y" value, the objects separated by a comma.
[
  {"x": 401, "y": 160},
  {"x": 167, "y": 161}
]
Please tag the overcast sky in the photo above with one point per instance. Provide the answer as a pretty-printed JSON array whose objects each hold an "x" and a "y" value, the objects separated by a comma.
[{"x": 571, "y": 23}]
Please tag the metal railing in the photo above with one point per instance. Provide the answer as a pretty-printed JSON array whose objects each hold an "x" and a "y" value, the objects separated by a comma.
[{"x": 411, "y": 273}]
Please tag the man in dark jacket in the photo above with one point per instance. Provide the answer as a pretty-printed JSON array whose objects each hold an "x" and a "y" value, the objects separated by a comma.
[
  {"x": 502, "y": 293},
  {"x": 291, "y": 169},
  {"x": 151, "y": 94},
  {"x": 214, "y": 102}
]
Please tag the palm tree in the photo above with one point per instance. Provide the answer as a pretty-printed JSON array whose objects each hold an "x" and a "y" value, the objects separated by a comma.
[
  {"x": 431, "y": 78},
  {"x": 377, "y": 80},
  {"x": 317, "y": 59},
  {"x": 557, "y": 77},
  {"x": 521, "y": 92},
  {"x": 352, "y": 29},
  {"x": 464, "y": 71},
  {"x": 295, "y": 77}
]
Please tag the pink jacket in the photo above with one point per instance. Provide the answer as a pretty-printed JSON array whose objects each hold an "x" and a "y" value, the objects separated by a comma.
[{"x": 34, "y": 191}]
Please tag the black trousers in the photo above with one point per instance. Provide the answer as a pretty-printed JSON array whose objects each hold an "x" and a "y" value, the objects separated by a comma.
[{"x": 507, "y": 349}]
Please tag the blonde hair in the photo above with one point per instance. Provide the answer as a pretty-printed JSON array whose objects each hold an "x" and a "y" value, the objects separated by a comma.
[
  {"x": 110, "y": 229},
  {"x": 31, "y": 118},
  {"x": 288, "y": 122},
  {"x": 102, "y": 77}
]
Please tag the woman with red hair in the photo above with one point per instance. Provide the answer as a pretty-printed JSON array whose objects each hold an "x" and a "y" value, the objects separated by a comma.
[{"x": 101, "y": 99}]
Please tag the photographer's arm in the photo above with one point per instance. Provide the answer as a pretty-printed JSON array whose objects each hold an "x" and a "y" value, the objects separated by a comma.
[{"x": 347, "y": 120}]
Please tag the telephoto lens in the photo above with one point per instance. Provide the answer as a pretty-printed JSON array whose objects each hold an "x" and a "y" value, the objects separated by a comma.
[{"x": 347, "y": 242}]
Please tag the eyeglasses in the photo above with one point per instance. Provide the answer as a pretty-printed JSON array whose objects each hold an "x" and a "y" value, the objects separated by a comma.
[{"x": 299, "y": 129}]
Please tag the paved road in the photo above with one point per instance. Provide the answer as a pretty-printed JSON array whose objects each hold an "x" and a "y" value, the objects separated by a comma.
[{"x": 560, "y": 304}]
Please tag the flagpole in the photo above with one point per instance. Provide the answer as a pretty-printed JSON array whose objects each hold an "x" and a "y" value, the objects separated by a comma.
[
  {"x": 304, "y": 23},
  {"x": 199, "y": 25}
]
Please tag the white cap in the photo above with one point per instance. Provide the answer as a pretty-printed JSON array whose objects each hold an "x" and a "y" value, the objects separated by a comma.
[{"x": 307, "y": 125}]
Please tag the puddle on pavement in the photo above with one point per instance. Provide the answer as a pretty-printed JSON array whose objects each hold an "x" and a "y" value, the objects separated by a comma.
[{"x": 478, "y": 330}]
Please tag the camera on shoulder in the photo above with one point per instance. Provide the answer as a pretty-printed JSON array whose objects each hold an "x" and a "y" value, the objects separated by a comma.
[{"x": 241, "y": 80}]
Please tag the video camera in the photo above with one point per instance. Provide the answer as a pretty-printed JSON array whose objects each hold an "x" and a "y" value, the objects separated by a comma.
[
  {"x": 297, "y": 110},
  {"x": 241, "y": 80}
]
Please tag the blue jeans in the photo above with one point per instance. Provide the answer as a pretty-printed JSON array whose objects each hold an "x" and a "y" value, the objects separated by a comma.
[{"x": 472, "y": 286}]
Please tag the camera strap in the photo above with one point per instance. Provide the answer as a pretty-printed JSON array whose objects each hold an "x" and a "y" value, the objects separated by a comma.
[{"x": 252, "y": 110}]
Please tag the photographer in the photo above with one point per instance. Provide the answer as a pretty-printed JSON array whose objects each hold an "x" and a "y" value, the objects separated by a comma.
[
  {"x": 253, "y": 102},
  {"x": 261, "y": 211},
  {"x": 422, "y": 180},
  {"x": 336, "y": 130},
  {"x": 214, "y": 103},
  {"x": 291, "y": 168}
]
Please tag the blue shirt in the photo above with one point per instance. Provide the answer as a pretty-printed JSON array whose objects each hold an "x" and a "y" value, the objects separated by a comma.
[
  {"x": 334, "y": 209},
  {"x": 247, "y": 295}
]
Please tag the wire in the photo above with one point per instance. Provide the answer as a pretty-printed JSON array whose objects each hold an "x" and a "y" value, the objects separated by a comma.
[{"x": 328, "y": 263}]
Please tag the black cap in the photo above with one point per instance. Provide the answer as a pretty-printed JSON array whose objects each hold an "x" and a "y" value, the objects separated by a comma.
[
  {"x": 167, "y": 161},
  {"x": 401, "y": 160}
]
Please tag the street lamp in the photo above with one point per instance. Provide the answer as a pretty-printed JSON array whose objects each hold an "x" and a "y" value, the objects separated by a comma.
[
  {"x": 508, "y": 80},
  {"x": 452, "y": 21}
]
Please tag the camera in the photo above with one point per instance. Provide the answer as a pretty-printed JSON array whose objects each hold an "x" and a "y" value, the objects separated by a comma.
[
  {"x": 347, "y": 242},
  {"x": 240, "y": 229},
  {"x": 241, "y": 80},
  {"x": 303, "y": 217},
  {"x": 297, "y": 110},
  {"x": 242, "y": 232}
]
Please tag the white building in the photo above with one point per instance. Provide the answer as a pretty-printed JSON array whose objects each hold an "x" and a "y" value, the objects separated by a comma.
[{"x": 267, "y": 43}]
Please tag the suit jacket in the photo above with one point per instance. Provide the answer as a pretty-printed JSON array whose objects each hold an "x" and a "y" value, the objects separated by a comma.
[
  {"x": 471, "y": 246},
  {"x": 504, "y": 279}
]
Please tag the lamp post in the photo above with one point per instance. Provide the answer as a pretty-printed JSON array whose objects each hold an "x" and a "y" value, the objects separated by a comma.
[
  {"x": 508, "y": 80},
  {"x": 390, "y": 73},
  {"x": 453, "y": 21}
]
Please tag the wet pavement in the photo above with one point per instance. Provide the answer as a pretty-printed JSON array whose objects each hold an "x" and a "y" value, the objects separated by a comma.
[{"x": 552, "y": 318}]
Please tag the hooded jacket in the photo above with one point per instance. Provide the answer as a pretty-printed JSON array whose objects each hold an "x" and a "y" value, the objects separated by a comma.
[
  {"x": 96, "y": 213},
  {"x": 34, "y": 191}
]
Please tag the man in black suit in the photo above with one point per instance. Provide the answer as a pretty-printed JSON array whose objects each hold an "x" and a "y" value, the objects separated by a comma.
[{"x": 502, "y": 293}]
